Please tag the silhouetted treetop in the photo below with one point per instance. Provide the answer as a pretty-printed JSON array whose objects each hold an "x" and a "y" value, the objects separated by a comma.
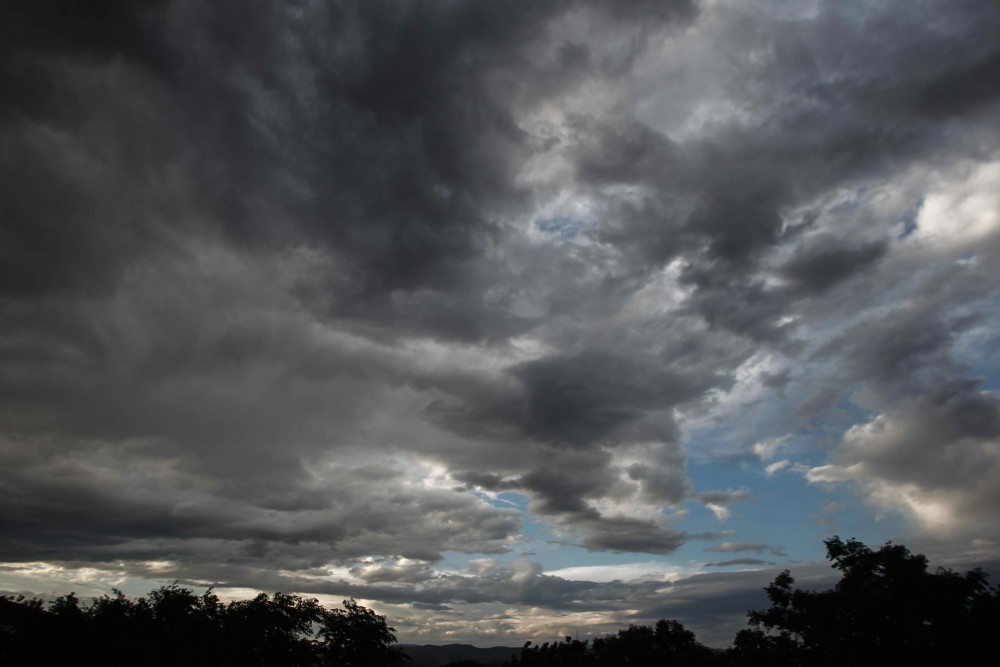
[{"x": 886, "y": 607}]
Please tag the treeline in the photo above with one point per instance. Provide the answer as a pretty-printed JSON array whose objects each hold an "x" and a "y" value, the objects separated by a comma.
[
  {"x": 174, "y": 627},
  {"x": 667, "y": 643},
  {"x": 886, "y": 608}
]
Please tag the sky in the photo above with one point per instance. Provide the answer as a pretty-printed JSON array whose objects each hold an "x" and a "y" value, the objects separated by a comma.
[{"x": 511, "y": 320}]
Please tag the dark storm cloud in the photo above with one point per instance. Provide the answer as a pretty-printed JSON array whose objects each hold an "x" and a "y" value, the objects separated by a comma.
[
  {"x": 737, "y": 304},
  {"x": 665, "y": 483},
  {"x": 586, "y": 398},
  {"x": 162, "y": 149},
  {"x": 396, "y": 148},
  {"x": 648, "y": 10},
  {"x": 908, "y": 350},
  {"x": 103, "y": 28},
  {"x": 958, "y": 89},
  {"x": 385, "y": 131},
  {"x": 819, "y": 268},
  {"x": 36, "y": 35},
  {"x": 624, "y": 152},
  {"x": 625, "y": 534},
  {"x": 65, "y": 504},
  {"x": 739, "y": 216},
  {"x": 589, "y": 400},
  {"x": 87, "y": 149},
  {"x": 73, "y": 188}
]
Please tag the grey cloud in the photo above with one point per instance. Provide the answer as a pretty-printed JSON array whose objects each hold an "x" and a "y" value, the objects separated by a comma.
[
  {"x": 593, "y": 398},
  {"x": 957, "y": 90},
  {"x": 905, "y": 348},
  {"x": 487, "y": 481},
  {"x": 562, "y": 484},
  {"x": 735, "y": 304},
  {"x": 98, "y": 30},
  {"x": 816, "y": 121},
  {"x": 822, "y": 266},
  {"x": 723, "y": 497},
  {"x": 578, "y": 408},
  {"x": 650, "y": 10},
  {"x": 622, "y": 152},
  {"x": 739, "y": 216},
  {"x": 611, "y": 533},
  {"x": 666, "y": 484},
  {"x": 564, "y": 488},
  {"x": 406, "y": 572},
  {"x": 351, "y": 516},
  {"x": 736, "y": 547},
  {"x": 413, "y": 157},
  {"x": 928, "y": 457},
  {"x": 740, "y": 561},
  {"x": 777, "y": 381},
  {"x": 69, "y": 227},
  {"x": 586, "y": 398},
  {"x": 719, "y": 501}
]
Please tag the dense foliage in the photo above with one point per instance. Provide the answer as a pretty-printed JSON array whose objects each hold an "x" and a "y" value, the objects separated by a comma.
[
  {"x": 887, "y": 607},
  {"x": 668, "y": 642},
  {"x": 173, "y": 626}
]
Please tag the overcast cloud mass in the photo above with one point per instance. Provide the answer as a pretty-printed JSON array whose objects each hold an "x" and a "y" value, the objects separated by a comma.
[{"x": 511, "y": 320}]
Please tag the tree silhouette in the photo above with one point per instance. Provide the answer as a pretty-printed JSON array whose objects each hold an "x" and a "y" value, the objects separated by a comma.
[
  {"x": 356, "y": 636},
  {"x": 886, "y": 607},
  {"x": 272, "y": 630},
  {"x": 666, "y": 643},
  {"x": 570, "y": 653}
]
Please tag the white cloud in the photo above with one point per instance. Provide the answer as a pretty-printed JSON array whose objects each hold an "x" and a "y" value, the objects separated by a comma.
[
  {"x": 623, "y": 572},
  {"x": 766, "y": 449},
  {"x": 962, "y": 210},
  {"x": 777, "y": 466}
]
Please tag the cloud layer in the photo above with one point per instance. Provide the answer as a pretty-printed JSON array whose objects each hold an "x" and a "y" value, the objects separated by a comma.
[{"x": 381, "y": 299}]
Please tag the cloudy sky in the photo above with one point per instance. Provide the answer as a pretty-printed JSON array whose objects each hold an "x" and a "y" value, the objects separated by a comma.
[{"x": 510, "y": 319}]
